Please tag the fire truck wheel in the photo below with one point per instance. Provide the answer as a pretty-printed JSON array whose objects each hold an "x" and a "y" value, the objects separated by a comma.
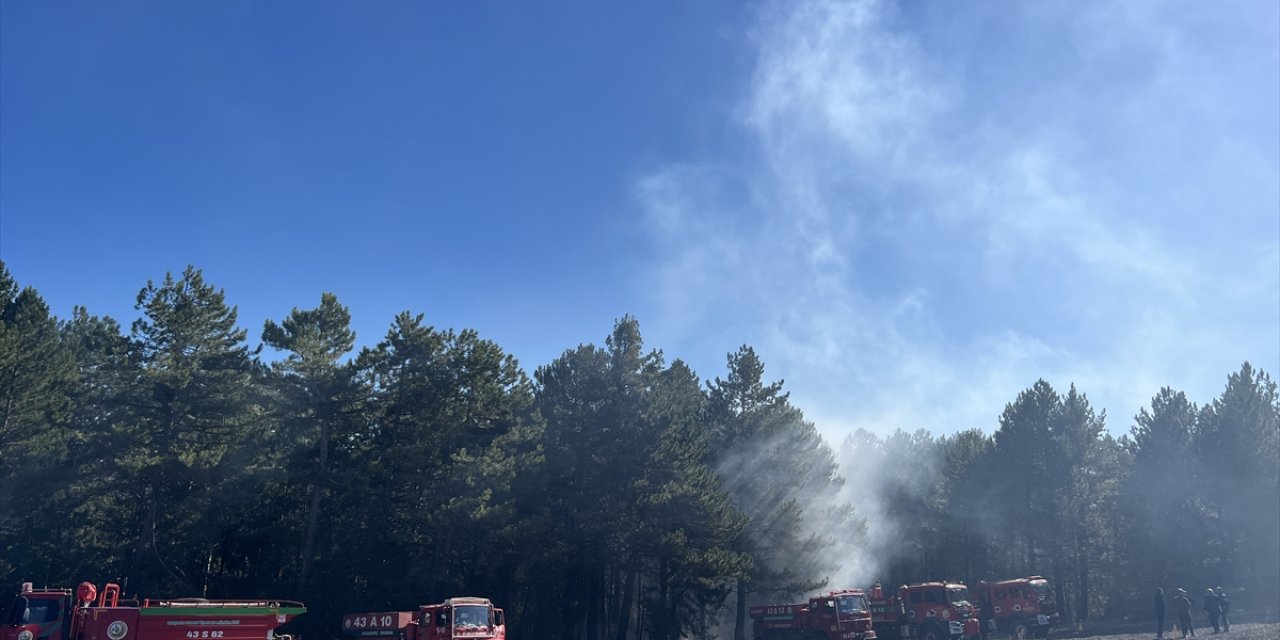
[
  {"x": 1018, "y": 629},
  {"x": 933, "y": 632}
]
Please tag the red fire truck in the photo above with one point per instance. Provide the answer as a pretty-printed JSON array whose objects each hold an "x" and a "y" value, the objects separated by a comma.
[
  {"x": 58, "y": 614},
  {"x": 470, "y": 618},
  {"x": 1021, "y": 607},
  {"x": 838, "y": 615},
  {"x": 925, "y": 610}
]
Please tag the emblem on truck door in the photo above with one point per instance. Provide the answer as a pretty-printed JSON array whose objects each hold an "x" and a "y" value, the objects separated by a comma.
[{"x": 117, "y": 630}]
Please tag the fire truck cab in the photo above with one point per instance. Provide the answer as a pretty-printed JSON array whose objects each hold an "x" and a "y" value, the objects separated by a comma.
[
  {"x": 836, "y": 615},
  {"x": 455, "y": 618},
  {"x": 1022, "y": 607}
]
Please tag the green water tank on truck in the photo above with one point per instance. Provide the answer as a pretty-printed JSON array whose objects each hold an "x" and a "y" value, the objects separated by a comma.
[{"x": 86, "y": 614}]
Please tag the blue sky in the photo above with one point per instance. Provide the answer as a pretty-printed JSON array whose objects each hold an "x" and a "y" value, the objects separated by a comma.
[{"x": 911, "y": 211}]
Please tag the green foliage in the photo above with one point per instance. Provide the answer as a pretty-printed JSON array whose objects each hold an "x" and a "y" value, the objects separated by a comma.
[
  {"x": 613, "y": 497},
  {"x": 781, "y": 475},
  {"x": 444, "y": 402},
  {"x": 1197, "y": 504},
  {"x": 100, "y": 513},
  {"x": 1159, "y": 506},
  {"x": 320, "y": 404},
  {"x": 1237, "y": 441},
  {"x": 187, "y": 433},
  {"x": 1055, "y": 446},
  {"x": 36, "y": 370},
  {"x": 37, "y": 374}
]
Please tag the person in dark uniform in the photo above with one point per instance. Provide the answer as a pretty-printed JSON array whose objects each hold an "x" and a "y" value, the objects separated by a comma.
[
  {"x": 1225, "y": 605},
  {"x": 1212, "y": 608},
  {"x": 1159, "y": 613},
  {"x": 1183, "y": 602}
]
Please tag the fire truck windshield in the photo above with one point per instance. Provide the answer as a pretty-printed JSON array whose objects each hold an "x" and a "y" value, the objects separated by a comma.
[
  {"x": 852, "y": 604},
  {"x": 470, "y": 616},
  {"x": 957, "y": 595},
  {"x": 1042, "y": 590}
]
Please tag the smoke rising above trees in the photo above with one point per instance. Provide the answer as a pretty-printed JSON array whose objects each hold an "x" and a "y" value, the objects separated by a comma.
[{"x": 612, "y": 495}]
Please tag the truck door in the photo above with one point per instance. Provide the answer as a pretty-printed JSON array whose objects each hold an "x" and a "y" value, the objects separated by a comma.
[
  {"x": 48, "y": 612},
  {"x": 17, "y": 613},
  {"x": 822, "y": 613},
  {"x": 35, "y": 617},
  {"x": 443, "y": 627}
]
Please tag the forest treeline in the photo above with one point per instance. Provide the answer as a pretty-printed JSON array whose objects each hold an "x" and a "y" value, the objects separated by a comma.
[{"x": 615, "y": 495}]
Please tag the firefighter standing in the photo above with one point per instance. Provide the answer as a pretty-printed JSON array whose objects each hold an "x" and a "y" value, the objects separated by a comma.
[
  {"x": 1213, "y": 608},
  {"x": 1225, "y": 605},
  {"x": 1183, "y": 602},
  {"x": 1159, "y": 613}
]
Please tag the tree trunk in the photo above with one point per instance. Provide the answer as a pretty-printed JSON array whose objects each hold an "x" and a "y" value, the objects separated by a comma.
[
  {"x": 661, "y": 624},
  {"x": 624, "y": 612},
  {"x": 1063, "y": 588},
  {"x": 313, "y": 510},
  {"x": 740, "y": 612},
  {"x": 1082, "y": 575},
  {"x": 146, "y": 533},
  {"x": 568, "y": 619},
  {"x": 593, "y": 601}
]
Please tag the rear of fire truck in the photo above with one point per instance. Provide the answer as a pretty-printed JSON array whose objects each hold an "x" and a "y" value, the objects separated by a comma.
[{"x": 926, "y": 610}]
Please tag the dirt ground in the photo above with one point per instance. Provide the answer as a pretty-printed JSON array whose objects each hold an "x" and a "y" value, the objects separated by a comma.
[{"x": 1250, "y": 631}]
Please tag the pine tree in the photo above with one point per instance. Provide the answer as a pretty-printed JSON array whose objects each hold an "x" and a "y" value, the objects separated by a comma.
[
  {"x": 1237, "y": 440},
  {"x": 102, "y": 398},
  {"x": 1025, "y": 449},
  {"x": 962, "y": 547},
  {"x": 1161, "y": 526},
  {"x": 36, "y": 369},
  {"x": 777, "y": 469},
  {"x": 593, "y": 402},
  {"x": 1056, "y": 516},
  {"x": 191, "y": 411},
  {"x": 685, "y": 525},
  {"x": 443, "y": 399},
  {"x": 321, "y": 397},
  {"x": 1083, "y": 494},
  {"x": 37, "y": 374}
]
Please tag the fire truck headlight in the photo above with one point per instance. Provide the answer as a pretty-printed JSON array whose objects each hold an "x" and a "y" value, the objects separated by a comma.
[{"x": 25, "y": 634}]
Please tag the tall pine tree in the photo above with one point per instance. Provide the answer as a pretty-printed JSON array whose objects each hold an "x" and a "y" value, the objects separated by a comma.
[
  {"x": 1237, "y": 439},
  {"x": 778, "y": 471},
  {"x": 190, "y": 416},
  {"x": 321, "y": 399}
]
